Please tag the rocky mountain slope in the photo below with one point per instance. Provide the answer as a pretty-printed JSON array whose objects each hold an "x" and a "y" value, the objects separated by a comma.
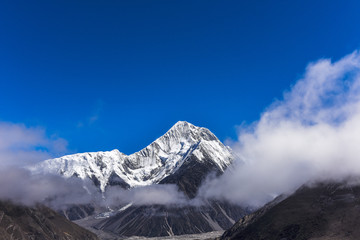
[
  {"x": 28, "y": 223},
  {"x": 183, "y": 156},
  {"x": 151, "y": 165},
  {"x": 160, "y": 220},
  {"x": 323, "y": 212}
]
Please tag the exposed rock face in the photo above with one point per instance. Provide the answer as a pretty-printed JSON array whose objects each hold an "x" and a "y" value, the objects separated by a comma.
[
  {"x": 325, "y": 211},
  {"x": 155, "y": 220},
  {"x": 76, "y": 212},
  {"x": 184, "y": 156},
  {"x": 151, "y": 165},
  {"x": 192, "y": 173},
  {"x": 28, "y": 223}
]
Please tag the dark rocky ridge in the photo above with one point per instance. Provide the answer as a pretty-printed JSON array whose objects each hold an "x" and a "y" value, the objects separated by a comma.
[
  {"x": 325, "y": 211},
  {"x": 115, "y": 180},
  {"x": 40, "y": 223},
  {"x": 75, "y": 212},
  {"x": 191, "y": 174},
  {"x": 156, "y": 220},
  {"x": 185, "y": 155}
]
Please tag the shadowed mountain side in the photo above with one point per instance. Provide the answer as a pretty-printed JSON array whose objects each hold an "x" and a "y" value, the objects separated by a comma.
[
  {"x": 28, "y": 223},
  {"x": 159, "y": 160},
  {"x": 184, "y": 156},
  {"x": 75, "y": 212},
  {"x": 191, "y": 174},
  {"x": 156, "y": 220},
  {"x": 325, "y": 211},
  {"x": 159, "y": 220}
]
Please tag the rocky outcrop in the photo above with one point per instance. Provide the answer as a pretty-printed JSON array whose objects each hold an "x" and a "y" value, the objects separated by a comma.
[
  {"x": 323, "y": 211},
  {"x": 156, "y": 220},
  {"x": 185, "y": 155},
  {"x": 29, "y": 223}
]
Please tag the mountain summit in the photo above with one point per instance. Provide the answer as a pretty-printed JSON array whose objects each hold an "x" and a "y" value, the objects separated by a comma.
[
  {"x": 153, "y": 164},
  {"x": 184, "y": 156}
]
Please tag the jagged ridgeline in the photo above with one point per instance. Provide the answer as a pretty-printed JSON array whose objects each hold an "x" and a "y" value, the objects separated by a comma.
[{"x": 183, "y": 156}]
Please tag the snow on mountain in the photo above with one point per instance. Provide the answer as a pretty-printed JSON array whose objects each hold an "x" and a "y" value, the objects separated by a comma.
[{"x": 150, "y": 165}]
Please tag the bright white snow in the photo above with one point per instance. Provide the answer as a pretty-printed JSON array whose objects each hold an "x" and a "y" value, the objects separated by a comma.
[{"x": 150, "y": 165}]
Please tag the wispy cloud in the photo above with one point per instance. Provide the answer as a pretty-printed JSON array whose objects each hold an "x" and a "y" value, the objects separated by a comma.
[
  {"x": 164, "y": 194},
  {"x": 21, "y": 186},
  {"x": 312, "y": 134},
  {"x": 22, "y": 145}
]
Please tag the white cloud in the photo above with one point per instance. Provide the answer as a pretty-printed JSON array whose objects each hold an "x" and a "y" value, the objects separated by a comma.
[
  {"x": 21, "y": 186},
  {"x": 22, "y": 145},
  {"x": 162, "y": 194},
  {"x": 312, "y": 134}
]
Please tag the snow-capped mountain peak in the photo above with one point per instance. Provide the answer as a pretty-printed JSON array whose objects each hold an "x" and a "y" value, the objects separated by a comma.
[{"x": 150, "y": 165}]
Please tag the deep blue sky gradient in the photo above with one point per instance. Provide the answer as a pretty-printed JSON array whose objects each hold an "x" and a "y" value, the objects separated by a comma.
[{"x": 118, "y": 74}]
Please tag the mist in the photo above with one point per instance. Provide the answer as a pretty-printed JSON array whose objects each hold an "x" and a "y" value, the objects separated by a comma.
[
  {"x": 21, "y": 186},
  {"x": 22, "y": 146},
  {"x": 160, "y": 194},
  {"x": 312, "y": 134}
]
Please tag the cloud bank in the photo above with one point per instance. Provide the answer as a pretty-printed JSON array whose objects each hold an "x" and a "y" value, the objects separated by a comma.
[
  {"x": 164, "y": 194},
  {"x": 21, "y": 146},
  {"x": 312, "y": 134},
  {"x": 21, "y": 186}
]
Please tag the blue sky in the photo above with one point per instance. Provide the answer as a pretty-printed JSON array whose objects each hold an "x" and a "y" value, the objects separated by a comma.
[{"x": 118, "y": 74}]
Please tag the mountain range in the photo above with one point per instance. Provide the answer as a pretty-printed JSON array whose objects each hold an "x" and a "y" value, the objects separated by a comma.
[
  {"x": 184, "y": 156},
  {"x": 154, "y": 164}
]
